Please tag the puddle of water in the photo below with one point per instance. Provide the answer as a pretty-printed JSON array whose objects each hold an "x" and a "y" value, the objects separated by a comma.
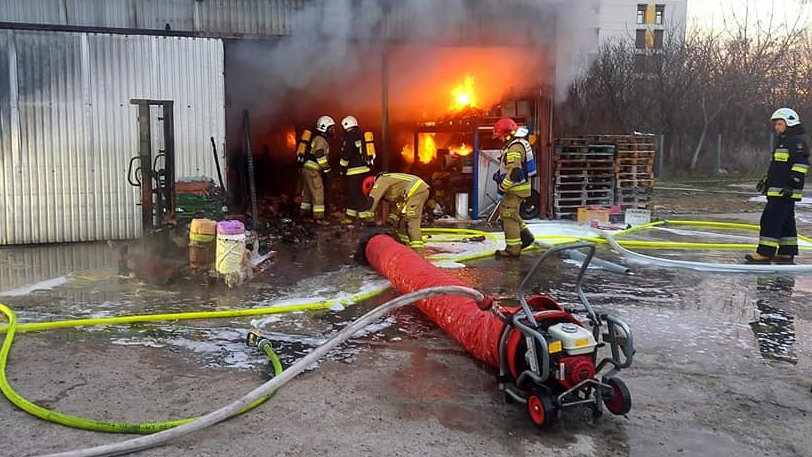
[{"x": 684, "y": 314}]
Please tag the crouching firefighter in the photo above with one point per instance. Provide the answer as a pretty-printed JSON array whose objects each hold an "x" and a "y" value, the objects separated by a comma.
[
  {"x": 516, "y": 167},
  {"x": 778, "y": 236},
  {"x": 357, "y": 156},
  {"x": 407, "y": 192},
  {"x": 312, "y": 155}
]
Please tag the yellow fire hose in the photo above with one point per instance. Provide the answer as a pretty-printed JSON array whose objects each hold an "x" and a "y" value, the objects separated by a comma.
[{"x": 92, "y": 424}]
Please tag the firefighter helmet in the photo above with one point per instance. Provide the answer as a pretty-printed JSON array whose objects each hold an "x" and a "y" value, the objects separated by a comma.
[
  {"x": 789, "y": 116},
  {"x": 324, "y": 123},
  {"x": 504, "y": 128},
  {"x": 367, "y": 184},
  {"x": 349, "y": 122}
]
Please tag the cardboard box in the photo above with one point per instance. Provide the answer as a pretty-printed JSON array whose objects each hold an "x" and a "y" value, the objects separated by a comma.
[{"x": 588, "y": 214}]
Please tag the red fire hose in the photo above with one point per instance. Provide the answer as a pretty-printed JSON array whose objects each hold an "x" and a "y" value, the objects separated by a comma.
[{"x": 476, "y": 330}]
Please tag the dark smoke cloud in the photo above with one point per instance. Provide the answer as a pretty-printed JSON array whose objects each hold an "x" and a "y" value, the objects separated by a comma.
[{"x": 336, "y": 40}]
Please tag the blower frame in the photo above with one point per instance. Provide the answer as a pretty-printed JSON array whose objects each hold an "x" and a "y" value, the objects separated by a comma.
[{"x": 534, "y": 367}]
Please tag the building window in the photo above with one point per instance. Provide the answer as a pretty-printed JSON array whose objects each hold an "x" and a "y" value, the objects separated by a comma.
[
  {"x": 659, "y": 15},
  {"x": 658, "y": 39},
  {"x": 648, "y": 64},
  {"x": 640, "y": 39},
  {"x": 641, "y": 13}
]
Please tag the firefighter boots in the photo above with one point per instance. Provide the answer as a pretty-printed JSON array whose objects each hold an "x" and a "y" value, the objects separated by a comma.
[{"x": 757, "y": 258}]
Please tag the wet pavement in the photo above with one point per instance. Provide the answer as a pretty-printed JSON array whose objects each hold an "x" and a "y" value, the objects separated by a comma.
[{"x": 723, "y": 364}]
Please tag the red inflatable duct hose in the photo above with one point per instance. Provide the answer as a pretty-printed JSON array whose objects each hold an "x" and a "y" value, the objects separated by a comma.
[{"x": 476, "y": 330}]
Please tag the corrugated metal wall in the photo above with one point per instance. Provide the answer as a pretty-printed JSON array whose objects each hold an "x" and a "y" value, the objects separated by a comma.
[
  {"x": 20, "y": 268},
  {"x": 68, "y": 130},
  {"x": 217, "y": 17}
]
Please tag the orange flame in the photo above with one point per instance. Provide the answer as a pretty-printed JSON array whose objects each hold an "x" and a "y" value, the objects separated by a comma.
[
  {"x": 428, "y": 148},
  {"x": 407, "y": 152},
  {"x": 463, "y": 95},
  {"x": 461, "y": 150},
  {"x": 290, "y": 139},
  {"x": 426, "y": 153}
]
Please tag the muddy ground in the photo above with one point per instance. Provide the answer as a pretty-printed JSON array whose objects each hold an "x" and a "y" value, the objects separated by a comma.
[{"x": 723, "y": 364}]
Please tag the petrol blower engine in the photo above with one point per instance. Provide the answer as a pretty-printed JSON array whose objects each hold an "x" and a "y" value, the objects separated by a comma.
[{"x": 548, "y": 355}]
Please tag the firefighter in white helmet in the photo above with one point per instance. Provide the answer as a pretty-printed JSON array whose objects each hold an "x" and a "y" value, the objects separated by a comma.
[
  {"x": 315, "y": 162},
  {"x": 355, "y": 165},
  {"x": 783, "y": 186}
]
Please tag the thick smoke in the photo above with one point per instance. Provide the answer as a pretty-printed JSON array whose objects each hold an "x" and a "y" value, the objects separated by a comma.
[{"x": 333, "y": 55}]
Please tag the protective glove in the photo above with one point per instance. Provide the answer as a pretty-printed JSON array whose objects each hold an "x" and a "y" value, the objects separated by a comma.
[
  {"x": 500, "y": 196},
  {"x": 761, "y": 185},
  {"x": 786, "y": 192}
]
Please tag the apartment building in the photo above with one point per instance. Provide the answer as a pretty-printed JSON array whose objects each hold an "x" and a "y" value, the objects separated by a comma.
[{"x": 648, "y": 25}]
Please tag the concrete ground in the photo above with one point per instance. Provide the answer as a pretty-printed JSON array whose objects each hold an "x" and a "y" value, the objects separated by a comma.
[{"x": 723, "y": 366}]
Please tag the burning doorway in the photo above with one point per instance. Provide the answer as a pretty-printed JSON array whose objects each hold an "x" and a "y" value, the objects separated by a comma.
[{"x": 424, "y": 84}]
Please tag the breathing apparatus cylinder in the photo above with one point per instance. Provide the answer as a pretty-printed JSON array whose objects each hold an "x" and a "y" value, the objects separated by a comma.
[
  {"x": 303, "y": 146},
  {"x": 369, "y": 148}
]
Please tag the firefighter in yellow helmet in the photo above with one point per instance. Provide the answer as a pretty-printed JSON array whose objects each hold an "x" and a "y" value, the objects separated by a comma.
[
  {"x": 514, "y": 185},
  {"x": 408, "y": 193},
  {"x": 316, "y": 162}
]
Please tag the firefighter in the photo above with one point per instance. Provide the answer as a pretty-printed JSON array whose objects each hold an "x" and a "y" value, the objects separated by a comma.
[
  {"x": 406, "y": 195},
  {"x": 783, "y": 186},
  {"x": 315, "y": 162},
  {"x": 513, "y": 184},
  {"x": 355, "y": 166}
]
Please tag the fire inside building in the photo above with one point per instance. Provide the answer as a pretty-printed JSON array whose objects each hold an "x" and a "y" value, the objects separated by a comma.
[
  {"x": 439, "y": 126},
  {"x": 430, "y": 107}
]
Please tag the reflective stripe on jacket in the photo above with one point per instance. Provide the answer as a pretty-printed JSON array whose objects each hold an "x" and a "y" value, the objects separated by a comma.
[
  {"x": 789, "y": 165},
  {"x": 394, "y": 188},
  {"x": 511, "y": 169},
  {"x": 352, "y": 153}
]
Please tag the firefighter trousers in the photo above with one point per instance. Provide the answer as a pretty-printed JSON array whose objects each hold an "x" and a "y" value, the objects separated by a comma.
[
  {"x": 357, "y": 203},
  {"x": 312, "y": 193},
  {"x": 411, "y": 214},
  {"x": 778, "y": 231},
  {"x": 512, "y": 222}
]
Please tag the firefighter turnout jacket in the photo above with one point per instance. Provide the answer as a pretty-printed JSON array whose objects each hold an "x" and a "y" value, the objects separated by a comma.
[
  {"x": 512, "y": 176},
  {"x": 353, "y": 155},
  {"x": 318, "y": 156},
  {"x": 407, "y": 192},
  {"x": 395, "y": 188},
  {"x": 789, "y": 165}
]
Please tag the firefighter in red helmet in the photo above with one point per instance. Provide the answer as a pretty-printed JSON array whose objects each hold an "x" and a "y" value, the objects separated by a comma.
[{"x": 513, "y": 183}]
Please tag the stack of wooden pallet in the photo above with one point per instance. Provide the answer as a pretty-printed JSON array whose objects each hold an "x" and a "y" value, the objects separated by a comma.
[
  {"x": 634, "y": 170},
  {"x": 584, "y": 174},
  {"x": 603, "y": 170}
]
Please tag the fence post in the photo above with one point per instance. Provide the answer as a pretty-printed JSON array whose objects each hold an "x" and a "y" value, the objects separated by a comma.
[
  {"x": 719, "y": 154},
  {"x": 660, "y": 154}
]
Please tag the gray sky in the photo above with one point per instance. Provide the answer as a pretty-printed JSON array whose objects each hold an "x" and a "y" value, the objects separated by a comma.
[{"x": 710, "y": 13}]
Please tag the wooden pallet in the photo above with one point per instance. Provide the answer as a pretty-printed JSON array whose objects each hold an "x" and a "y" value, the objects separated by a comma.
[
  {"x": 644, "y": 191},
  {"x": 638, "y": 154},
  {"x": 633, "y": 160},
  {"x": 634, "y": 182}
]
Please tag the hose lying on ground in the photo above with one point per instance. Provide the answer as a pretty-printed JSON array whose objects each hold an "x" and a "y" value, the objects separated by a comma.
[
  {"x": 274, "y": 384},
  {"x": 85, "y": 423}
]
